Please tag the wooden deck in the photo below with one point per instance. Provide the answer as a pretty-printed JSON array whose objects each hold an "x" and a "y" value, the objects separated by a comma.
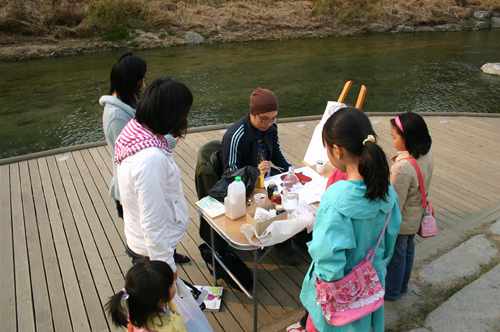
[{"x": 62, "y": 245}]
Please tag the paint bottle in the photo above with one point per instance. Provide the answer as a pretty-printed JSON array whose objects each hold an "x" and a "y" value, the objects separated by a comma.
[
  {"x": 271, "y": 188},
  {"x": 279, "y": 209},
  {"x": 276, "y": 198},
  {"x": 260, "y": 181}
]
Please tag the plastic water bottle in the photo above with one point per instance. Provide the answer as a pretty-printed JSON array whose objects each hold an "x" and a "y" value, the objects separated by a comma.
[
  {"x": 291, "y": 186},
  {"x": 236, "y": 203}
]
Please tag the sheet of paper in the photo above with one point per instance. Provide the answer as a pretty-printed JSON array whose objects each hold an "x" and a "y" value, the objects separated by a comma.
[
  {"x": 316, "y": 151},
  {"x": 312, "y": 187}
]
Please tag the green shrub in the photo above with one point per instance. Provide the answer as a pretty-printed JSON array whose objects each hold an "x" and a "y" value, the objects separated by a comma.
[
  {"x": 116, "y": 33},
  {"x": 112, "y": 17},
  {"x": 170, "y": 32},
  {"x": 162, "y": 36}
]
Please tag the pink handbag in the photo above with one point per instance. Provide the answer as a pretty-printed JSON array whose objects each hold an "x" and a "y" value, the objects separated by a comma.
[
  {"x": 428, "y": 225},
  {"x": 356, "y": 295}
]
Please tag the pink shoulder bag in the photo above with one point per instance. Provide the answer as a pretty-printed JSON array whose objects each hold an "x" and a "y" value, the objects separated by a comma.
[
  {"x": 356, "y": 295},
  {"x": 428, "y": 225}
]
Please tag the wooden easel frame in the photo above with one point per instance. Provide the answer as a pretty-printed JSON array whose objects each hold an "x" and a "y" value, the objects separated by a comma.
[
  {"x": 361, "y": 96},
  {"x": 359, "y": 102}
]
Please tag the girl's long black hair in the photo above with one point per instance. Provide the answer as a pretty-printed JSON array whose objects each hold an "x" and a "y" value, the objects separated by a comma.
[
  {"x": 146, "y": 283},
  {"x": 348, "y": 128},
  {"x": 416, "y": 134},
  {"x": 126, "y": 78}
]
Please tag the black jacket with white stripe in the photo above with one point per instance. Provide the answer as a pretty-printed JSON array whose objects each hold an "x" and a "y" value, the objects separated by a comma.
[{"x": 239, "y": 146}]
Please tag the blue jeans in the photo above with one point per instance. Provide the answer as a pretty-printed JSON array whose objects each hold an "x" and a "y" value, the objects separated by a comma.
[{"x": 399, "y": 269}]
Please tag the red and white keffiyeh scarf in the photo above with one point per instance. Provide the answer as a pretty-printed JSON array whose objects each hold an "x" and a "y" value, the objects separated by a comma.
[{"x": 135, "y": 138}]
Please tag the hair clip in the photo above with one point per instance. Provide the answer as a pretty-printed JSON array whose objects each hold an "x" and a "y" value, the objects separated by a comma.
[
  {"x": 369, "y": 138},
  {"x": 125, "y": 295},
  {"x": 398, "y": 123}
]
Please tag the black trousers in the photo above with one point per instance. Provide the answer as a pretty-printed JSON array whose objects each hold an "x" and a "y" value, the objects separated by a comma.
[{"x": 135, "y": 257}]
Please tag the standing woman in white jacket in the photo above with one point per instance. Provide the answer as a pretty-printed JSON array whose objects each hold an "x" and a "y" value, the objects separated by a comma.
[
  {"x": 128, "y": 78},
  {"x": 154, "y": 208}
]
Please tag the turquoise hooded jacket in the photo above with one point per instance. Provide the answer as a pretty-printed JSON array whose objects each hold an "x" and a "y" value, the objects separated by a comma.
[{"x": 347, "y": 225}]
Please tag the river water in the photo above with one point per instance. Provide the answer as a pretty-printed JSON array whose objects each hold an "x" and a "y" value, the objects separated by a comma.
[{"x": 50, "y": 103}]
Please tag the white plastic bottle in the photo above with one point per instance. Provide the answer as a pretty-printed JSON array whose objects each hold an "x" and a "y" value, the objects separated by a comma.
[
  {"x": 291, "y": 186},
  {"x": 235, "y": 202}
]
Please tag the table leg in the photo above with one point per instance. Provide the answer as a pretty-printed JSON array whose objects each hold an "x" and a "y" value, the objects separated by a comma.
[
  {"x": 255, "y": 287},
  {"x": 212, "y": 237}
]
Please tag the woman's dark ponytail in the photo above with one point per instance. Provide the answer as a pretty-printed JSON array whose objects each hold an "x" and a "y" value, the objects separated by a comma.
[
  {"x": 116, "y": 310},
  {"x": 350, "y": 128}
]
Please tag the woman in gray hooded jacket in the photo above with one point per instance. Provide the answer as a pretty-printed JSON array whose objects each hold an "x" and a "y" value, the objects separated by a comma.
[{"x": 128, "y": 78}]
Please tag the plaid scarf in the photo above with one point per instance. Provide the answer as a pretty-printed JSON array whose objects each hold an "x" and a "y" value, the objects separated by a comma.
[{"x": 135, "y": 138}]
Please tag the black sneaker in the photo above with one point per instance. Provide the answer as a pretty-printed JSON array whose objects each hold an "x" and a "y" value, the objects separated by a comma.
[
  {"x": 289, "y": 256},
  {"x": 178, "y": 258}
]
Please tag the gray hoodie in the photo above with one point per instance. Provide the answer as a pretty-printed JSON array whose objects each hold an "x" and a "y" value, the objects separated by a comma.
[{"x": 115, "y": 116}]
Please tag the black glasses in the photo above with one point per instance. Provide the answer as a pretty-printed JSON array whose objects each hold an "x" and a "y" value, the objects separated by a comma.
[{"x": 267, "y": 120}]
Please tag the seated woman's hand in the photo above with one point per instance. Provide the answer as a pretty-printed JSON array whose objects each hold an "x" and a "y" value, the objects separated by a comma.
[{"x": 265, "y": 166}]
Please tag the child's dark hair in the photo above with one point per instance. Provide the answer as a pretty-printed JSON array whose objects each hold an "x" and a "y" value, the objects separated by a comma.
[
  {"x": 348, "y": 128},
  {"x": 146, "y": 283},
  {"x": 126, "y": 78},
  {"x": 416, "y": 134},
  {"x": 164, "y": 107}
]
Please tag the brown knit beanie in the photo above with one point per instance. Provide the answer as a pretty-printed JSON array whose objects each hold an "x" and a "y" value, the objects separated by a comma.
[{"x": 263, "y": 101}]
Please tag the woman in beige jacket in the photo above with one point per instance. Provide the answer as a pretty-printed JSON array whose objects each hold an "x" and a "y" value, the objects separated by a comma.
[{"x": 411, "y": 139}]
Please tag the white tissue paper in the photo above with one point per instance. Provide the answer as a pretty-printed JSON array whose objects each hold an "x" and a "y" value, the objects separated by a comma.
[
  {"x": 281, "y": 230},
  {"x": 261, "y": 214}
]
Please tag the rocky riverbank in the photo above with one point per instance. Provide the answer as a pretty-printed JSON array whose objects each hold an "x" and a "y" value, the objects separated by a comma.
[{"x": 182, "y": 24}]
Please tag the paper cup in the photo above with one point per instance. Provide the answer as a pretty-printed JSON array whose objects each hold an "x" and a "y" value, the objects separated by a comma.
[
  {"x": 260, "y": 200},
  {"x": 320, "y": 166}
]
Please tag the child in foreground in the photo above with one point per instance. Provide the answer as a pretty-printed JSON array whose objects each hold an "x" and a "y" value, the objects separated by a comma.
[
  {"x": 411, "y": 139},
  {"x": 351, "y": 215},
  {"x": 149, "y": 289}
]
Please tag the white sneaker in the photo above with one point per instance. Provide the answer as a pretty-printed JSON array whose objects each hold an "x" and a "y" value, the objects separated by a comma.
[{"x": 295, "y": 328}]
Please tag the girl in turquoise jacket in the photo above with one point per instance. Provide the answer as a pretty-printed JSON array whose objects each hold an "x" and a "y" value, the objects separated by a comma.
[{"x": 351, "y": 215}]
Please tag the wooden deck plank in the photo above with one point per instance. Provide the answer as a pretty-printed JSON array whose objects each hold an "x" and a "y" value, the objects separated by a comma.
[
  {"x": 55, "y": 288},
  {"x": 25, "y": 314},
  {"x": 233, "y": 305},
  {"x": 106, "y": 269},
  {"x": 77, "y": 313},
  {"x": 114, "y": 235},
  {"x": 8, "y": 312},
  {"x": 69, "y": 202},
  {"x": 102, "y": 165},
  {"x": 92, "y": 280},
  {"x": 106, "y": 156},
  {"x": 455, "y": 170},
  {"x": 103, "y": 186},
  {"x": 451, "y": 135},
  {"x": 197, "y": 273},
  {"x": 473, "y": 134}
]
